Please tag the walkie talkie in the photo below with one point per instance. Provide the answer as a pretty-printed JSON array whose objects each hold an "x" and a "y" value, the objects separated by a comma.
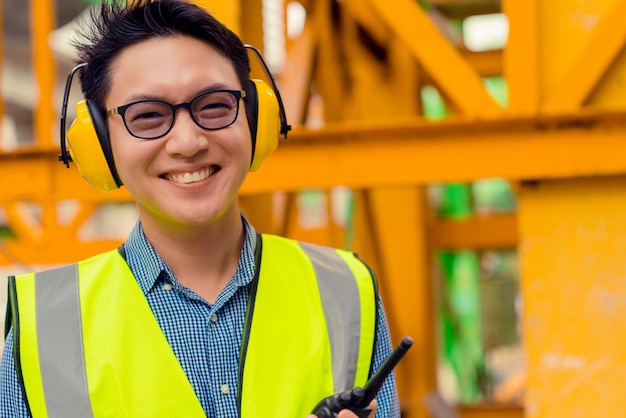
[{"x": 358, "y": 399}]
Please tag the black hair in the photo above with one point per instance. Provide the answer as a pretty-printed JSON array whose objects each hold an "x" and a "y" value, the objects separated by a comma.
[{"x": 118, "y": 24}]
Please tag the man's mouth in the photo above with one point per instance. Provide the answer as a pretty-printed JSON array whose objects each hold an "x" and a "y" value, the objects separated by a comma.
[{"x": 188, "y": 177}]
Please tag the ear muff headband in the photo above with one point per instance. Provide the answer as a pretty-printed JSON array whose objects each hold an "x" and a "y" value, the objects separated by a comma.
[{"x": 284, "y": 126}]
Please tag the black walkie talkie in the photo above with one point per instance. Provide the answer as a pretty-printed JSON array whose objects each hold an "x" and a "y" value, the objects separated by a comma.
[{"x": 358, "y": 399}]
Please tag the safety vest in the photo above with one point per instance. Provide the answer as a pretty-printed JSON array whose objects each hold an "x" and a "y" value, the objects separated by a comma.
[{"x": 87, "y": 344}]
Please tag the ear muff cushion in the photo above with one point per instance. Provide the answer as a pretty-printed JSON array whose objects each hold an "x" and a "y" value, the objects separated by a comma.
[
  {"x": 266, "y": 123},
  {"x": 90, "y": 148},
  {"x": 252, "y": 105}
]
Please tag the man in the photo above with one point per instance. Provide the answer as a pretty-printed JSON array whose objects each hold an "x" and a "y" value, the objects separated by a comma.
[{"x": 196, "y": 314}]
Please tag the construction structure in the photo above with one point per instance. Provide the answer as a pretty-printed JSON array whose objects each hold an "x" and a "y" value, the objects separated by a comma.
[{"x": 353, "y": 79}]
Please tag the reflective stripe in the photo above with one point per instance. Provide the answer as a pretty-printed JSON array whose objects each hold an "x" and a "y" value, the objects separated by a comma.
[
  {"x": 341, "y": 304},
  {"x": 59, "y": 335}
]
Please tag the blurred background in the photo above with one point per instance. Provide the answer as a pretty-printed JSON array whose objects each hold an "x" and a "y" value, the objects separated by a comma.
[{"x": 471, "y": 151}]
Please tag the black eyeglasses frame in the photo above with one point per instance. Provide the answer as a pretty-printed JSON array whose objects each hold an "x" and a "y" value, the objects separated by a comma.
[{"x": 121, "y": 110}]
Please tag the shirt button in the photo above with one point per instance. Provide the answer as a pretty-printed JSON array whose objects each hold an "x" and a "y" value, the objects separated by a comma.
[
  {"x": 167, "y": 286},
  {"x": 225, "y": 389},
  {"x": 214, "y": 319}
]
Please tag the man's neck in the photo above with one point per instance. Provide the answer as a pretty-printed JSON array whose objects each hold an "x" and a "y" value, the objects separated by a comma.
[{"x": 203, "y": 258}]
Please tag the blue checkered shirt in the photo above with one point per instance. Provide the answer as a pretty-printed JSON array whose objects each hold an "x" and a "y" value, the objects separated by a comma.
[{"x": 205, "y": 337}]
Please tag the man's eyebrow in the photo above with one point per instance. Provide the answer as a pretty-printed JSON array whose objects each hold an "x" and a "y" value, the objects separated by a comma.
[
  {"x": 141, "y": 96},
  {"x": 134, "y": 97}
]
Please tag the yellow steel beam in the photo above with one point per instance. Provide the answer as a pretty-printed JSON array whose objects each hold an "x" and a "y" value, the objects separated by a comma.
[
  {"x": 295, "y": 79},
  {"x": 226, "y": 11},
  {"x": 521, "y": 57},
  {"x": 365, "y": 154},
  {"x": 572, "y": 238},
  {"x": 463, "y": 86},
  {"x": 565, "y": 28},
  {"x": 396, "y": 219},
  {"x": 362, "y": 13},
  {"x": 44, "y": 239},
  {"x": 329, "y": 78},
  {"x": 416, "y": 152},
  {"x": 480, "y": 232},
  {"x": 36, "y": 174},
  {"x": 606, "y": 41},
  {"x": 465, "y": 8},
  {"x": 42, "y": 23},
  {"x": 375, "y": 88},
  {"x": 1, "y": 64},
  {"x": 251, "y": 30},
  {"x": 490, "y": 411},
  {"x": 485, "y": 63}
]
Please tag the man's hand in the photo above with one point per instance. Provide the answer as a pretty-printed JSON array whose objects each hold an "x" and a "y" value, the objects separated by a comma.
[{"x": 346, "y": 413}]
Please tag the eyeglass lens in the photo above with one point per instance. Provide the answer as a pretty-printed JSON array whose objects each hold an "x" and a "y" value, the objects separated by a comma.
[{"x": 152, "y": 119}]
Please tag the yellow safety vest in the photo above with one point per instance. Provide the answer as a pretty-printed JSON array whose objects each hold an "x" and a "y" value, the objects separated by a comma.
[{"x": 81, "y": 332}]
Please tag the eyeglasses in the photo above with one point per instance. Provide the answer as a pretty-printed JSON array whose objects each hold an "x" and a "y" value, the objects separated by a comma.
[{"x": 152, "y": 119}]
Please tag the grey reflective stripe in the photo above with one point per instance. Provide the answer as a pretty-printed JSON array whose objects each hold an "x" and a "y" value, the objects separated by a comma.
[
  {"x": 342, "y": 308},
  {"x": 60, "y": 343}
]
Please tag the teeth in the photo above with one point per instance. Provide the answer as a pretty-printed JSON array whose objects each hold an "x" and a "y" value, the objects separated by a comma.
[{"x": 190, "y": 177}]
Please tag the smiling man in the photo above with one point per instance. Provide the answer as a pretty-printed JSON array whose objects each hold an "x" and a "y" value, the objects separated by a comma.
[{"x": 196, "y": 314}]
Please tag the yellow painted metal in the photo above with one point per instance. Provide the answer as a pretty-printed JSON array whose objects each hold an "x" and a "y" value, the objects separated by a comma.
[
  {"x": 1, "y": 62},
  {"x": 566, "y": 30},
  {"x": 490, "y": 411},
  {"x": 465, "y": 8},
  {"x": 404, "y": 152},
  {"x": 42, "y": 23},
  {"x": 571, "y": 231},
  {"x": 521, "y": 57},
  {"x": 296, "y": 77},
  {"x": 43, "y": 239},
  {"x": 226, "y": 11},
  {"x": 418, "y": 35},
  {"x": 486, "y": 63},
  {"x": 572, "y": 240},
  {"x": 480, "y": 232},
  {"x": 397, "y": 217},
  {"x": 37, "y": 174},
  {"x": 251, "y": 29},
  {"x": 606, "y": 41},
  {"x": 330, "y": 77}
]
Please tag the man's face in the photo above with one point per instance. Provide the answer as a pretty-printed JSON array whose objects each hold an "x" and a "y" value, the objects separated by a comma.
[{"x": 190, "y": 176}]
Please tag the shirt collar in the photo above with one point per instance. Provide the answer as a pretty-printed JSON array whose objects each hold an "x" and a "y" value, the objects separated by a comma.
[{"x": 147, "y": 265}]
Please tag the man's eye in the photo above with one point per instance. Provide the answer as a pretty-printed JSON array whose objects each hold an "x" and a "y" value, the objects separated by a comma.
[
  {"x": 216, "y": 105},
  {"x": 148, "y": 115}
]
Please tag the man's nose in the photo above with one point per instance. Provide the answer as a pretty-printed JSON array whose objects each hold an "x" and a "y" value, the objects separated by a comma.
[{"x": 186, "y": 138}]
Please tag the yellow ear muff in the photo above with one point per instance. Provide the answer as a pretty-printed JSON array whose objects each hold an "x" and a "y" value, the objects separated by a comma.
[
  {"x": 268, "y": 123},
  {"x": 86, "y": 150}
]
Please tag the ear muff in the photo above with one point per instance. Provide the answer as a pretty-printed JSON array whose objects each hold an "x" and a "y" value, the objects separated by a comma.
[
  {"x": 90, "y": 147},
  {"x": 266, "y": 114},
  {"x": 265, "y": 122},
  {"x": 87, "y": 142}
]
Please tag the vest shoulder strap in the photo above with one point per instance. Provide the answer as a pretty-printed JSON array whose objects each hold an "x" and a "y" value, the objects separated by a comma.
[
  {"x": 314, "y": 314},
  {"x": 90, "y": 345}
]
